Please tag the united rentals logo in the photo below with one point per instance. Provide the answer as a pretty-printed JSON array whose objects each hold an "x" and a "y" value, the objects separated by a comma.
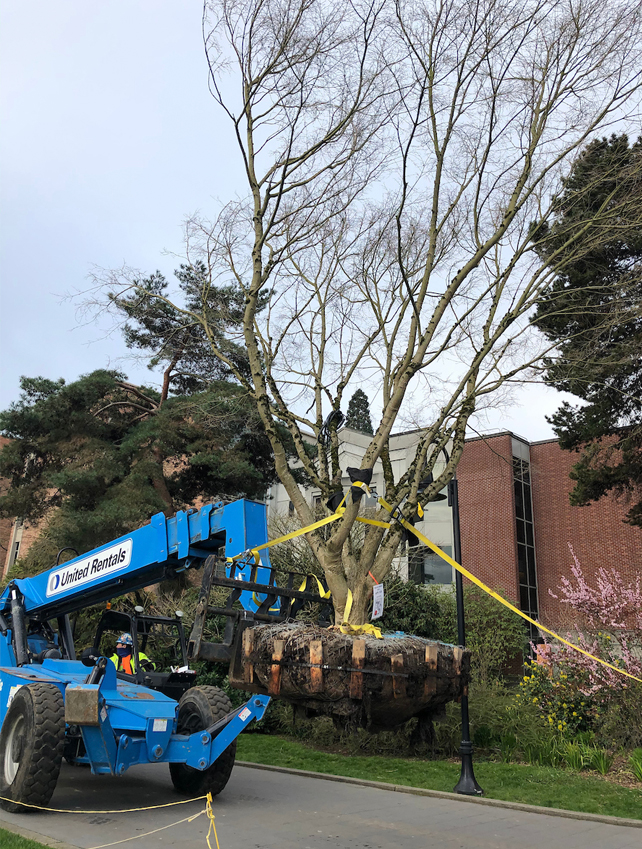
[{"x": 109, "y": 560}]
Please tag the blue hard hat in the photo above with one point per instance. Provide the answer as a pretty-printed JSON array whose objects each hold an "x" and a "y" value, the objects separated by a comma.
[{"x": 126, "y": 639}]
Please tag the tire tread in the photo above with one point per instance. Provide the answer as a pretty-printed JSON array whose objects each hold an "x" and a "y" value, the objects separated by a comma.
[
  {"x": 214, "y": 778},
  {"x": 41, "y": 774}
]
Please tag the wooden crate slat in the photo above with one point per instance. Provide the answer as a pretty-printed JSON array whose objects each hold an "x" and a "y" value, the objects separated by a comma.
[
  {"x": 316, "y": 661},
  {"x": 356, "y": 678},
  {"x": 398, "y": 683},
  {"x": 432, "y": 659},
  {"x": 274, "y": 686},
  {"x": 248, "y": 647}
]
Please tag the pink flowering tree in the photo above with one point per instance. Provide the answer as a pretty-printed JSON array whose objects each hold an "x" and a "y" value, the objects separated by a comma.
[{"x": 607, "y": 623}]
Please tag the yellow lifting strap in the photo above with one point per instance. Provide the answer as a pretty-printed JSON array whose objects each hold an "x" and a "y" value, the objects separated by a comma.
[
  {"x": 355, "y": 630},
  {"x": 325, "y": 594},
  {"x": 486, "y": 589},
  {"x": 293, "y": 534}
]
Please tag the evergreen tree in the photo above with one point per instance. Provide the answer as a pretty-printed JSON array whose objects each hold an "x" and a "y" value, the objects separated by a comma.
[
  {"x": 594, "y": 311},
  {"x": 358, "y": 416},
  {"x": 175, "y": 339},
  {"x": 97, "y": 457}
]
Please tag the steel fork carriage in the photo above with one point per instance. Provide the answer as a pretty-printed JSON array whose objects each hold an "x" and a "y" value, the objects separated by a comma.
[{"x": 274, "y": 604}]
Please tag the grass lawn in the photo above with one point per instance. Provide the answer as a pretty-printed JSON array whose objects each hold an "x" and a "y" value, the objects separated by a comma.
[
  {"x": 534, "y": 785},
  {"x": 9, "y": 840}
]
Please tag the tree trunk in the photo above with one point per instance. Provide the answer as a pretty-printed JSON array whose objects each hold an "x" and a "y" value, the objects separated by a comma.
[{"x": 160, "y": 484}]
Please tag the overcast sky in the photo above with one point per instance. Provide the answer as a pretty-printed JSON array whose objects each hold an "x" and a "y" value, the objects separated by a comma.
[{"x": 109, "y": 140}]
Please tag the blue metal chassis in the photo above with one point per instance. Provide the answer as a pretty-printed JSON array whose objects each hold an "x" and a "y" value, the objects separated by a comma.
[{"x": 137, "y": 725}]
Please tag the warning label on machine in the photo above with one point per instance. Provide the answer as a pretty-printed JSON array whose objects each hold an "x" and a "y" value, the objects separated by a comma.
[{"x": 109, "y": 560}]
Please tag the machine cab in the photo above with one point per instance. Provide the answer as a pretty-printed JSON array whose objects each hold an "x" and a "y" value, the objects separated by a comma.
[{"x": 159, "y": 649}]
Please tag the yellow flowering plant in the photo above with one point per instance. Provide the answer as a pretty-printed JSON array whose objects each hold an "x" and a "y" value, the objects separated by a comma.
[{"x": 562, "y": 705}]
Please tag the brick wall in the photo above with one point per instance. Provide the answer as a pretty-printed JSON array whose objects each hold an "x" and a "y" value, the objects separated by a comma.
[
  {"x": 487, "y": 513},
  {"x": 597, "y": 533}
]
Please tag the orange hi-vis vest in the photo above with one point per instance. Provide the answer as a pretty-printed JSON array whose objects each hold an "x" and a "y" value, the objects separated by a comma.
[{"x": 127, "y": 664}]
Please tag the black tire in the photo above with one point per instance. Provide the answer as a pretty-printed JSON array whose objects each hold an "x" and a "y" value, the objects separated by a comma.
[
  {"x": 31, "y": 746},
  {"x": 199, "y": 708}
]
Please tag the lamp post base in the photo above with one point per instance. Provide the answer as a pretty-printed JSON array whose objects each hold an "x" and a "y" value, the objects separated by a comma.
[{"x": 467, "y": 785}]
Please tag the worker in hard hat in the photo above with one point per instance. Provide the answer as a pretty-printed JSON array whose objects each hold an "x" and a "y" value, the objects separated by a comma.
[{"x": 124, "y": 659}]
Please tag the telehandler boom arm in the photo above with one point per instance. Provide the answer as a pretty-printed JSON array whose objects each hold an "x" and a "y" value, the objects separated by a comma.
[{"x": 156, "y": 552}]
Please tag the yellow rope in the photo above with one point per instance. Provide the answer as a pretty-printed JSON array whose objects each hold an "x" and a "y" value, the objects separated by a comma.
[
  {"x": 207, "y": 810},
  {"x": 499, "y": 598},
  {"x": 121, "y": 811},
  {"x": 210, "y": 816},
  {"x": 147, "y": 833},
  {"x": 293, "y": 534}
]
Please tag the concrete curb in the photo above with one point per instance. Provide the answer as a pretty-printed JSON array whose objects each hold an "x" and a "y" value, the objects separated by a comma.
[
  {"x": 455, "y": 797},
  {"x": 33, "y": 835}
]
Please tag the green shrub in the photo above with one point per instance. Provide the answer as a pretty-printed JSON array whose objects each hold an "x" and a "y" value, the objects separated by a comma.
[
  {"x": 483, "y": 737},
  {"x": 617, "y": 721},
  {"x": 574, "y": 755},
  {"x": 545, "y": 752},
  {"x": 508, "y": 748},
  {"x": 635, "y": 762},
  {"x": 601, "y": 761},
  {"x": 426, "y": 611},
  {"x": 494, "y": 635},
  {"x": 495, "y": 722}
]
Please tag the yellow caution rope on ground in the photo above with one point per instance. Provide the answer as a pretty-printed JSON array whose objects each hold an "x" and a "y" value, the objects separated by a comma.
[
  {"x": 155, "y": 831},
  {"x": 206, "y": 810},
  {"x": 212, "y": 828},
  {"x": 119, "y": 811}
]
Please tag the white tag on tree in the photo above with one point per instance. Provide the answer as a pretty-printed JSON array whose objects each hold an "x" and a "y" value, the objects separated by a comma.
[{"x": 377, "y": 601}]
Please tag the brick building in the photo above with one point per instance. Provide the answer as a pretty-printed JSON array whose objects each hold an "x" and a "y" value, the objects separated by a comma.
[
  {"x": 15, "y": 535},
  {"x": 6, "y": 525},
  {"x": 517, "y": 523}
]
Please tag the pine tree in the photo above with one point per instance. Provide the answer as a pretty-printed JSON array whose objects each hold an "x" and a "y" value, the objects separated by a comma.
[
  {"x": 97, "y": 457},
  {"x": 358, "y": 416},
  {"x": 594, "y": 311}
]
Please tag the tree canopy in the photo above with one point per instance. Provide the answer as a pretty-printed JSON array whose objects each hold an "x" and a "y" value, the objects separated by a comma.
[
  {"x": 157, "y": 327},
  {"x": 593, "y": 311},
  {"x": 98, "y": 456},
  {"x": 394, "y": 158}
]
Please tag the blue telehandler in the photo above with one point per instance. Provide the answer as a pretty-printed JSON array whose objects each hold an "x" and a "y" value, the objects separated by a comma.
[{"x": 54, "y": 705}]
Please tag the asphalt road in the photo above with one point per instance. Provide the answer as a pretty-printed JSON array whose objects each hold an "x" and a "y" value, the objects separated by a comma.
[{"x": 260, "y": 809}]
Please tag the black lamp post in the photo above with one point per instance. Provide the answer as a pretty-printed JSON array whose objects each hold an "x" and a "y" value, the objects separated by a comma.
[{"x": 467, "y": 785}]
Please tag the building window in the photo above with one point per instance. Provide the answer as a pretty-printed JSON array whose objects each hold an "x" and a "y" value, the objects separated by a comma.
[
  {"x": 526, "y": 565},
  {"x": 426, "y": 567}
]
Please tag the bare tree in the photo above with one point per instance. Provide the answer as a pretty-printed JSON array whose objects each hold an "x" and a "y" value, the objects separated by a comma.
[{"x": 396, "y": 156}]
